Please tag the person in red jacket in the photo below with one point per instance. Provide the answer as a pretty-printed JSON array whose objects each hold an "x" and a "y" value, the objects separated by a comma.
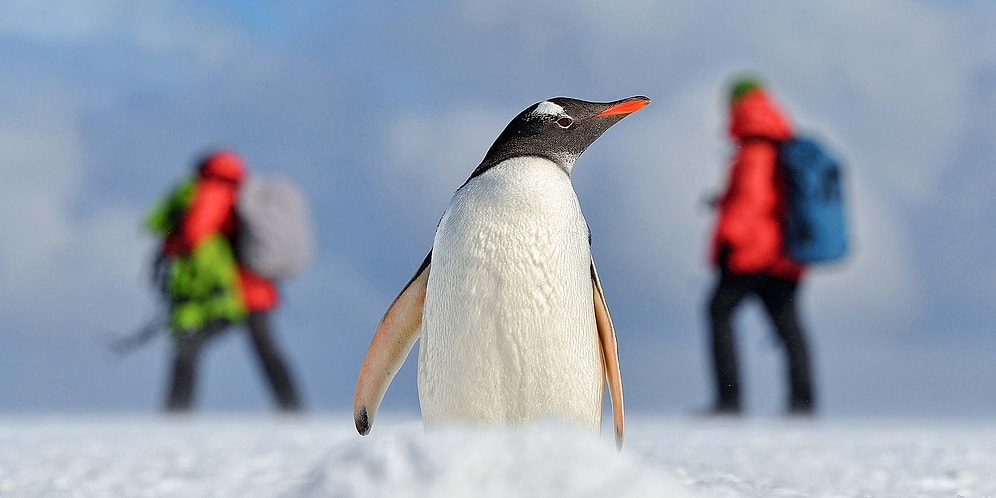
[
  {"x": 212, "y": 212},
  {"x": 747, "y": 249}
]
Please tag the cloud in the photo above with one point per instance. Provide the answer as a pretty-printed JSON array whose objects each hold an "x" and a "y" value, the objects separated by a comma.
[
  {"x": 53, "y": 260},
  {"x": 152, "y": 28},
  {"x": 878, "y": 288},
  {"x": 662, "y": 164},
  {"x": 429, "y": 155},
  {"x": 899, "y": 120},
  {"x": 41, "y": 172}
]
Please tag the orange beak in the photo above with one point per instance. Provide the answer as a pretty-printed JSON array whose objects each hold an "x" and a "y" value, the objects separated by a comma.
[{"x": 627, "y": 106}]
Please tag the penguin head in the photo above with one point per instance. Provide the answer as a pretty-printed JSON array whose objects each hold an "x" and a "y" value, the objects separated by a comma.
[{"x": 558, "y": 129}]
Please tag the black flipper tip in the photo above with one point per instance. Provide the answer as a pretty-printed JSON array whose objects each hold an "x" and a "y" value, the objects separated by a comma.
[{"x": 362, "y": 421}]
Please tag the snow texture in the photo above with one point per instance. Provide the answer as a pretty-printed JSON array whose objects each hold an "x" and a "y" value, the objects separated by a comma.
[{"x": 224, "y": 456}]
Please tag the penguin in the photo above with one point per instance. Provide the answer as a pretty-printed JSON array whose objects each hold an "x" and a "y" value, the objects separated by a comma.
[{"x": 508, "y": 307}]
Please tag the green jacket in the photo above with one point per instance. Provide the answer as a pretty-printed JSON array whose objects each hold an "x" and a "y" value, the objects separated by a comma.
[{"x": 201, "y": 286}]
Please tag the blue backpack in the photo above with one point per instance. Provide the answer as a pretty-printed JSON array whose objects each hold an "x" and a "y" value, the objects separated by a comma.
[{"x": 815, "y": 228}]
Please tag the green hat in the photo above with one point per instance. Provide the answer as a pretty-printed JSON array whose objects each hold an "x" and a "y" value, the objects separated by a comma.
[{"x": 743, "y": 86}]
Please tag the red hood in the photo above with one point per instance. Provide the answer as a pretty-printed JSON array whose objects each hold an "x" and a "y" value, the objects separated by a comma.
[
  {"x": 756, "y": 115},
  {"x": 224, "y": 164}
]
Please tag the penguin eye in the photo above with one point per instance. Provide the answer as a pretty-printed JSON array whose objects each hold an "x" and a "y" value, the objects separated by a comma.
[{"x": 565, "y": 122}]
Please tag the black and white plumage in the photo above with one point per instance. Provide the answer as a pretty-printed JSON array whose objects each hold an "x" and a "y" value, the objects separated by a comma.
[{"x": 507, "y": 305}]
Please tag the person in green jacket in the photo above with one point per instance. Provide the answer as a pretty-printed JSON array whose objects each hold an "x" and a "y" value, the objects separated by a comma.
[
  {"x": 201, "y": 285},
  {"x": 206, "y": 287}
]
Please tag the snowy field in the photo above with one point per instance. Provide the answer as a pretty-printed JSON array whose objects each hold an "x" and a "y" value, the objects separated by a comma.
[{"x": 321, "y": 455}]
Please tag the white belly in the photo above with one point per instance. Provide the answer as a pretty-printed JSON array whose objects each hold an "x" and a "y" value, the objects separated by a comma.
[{"x": 508, "y": 328}]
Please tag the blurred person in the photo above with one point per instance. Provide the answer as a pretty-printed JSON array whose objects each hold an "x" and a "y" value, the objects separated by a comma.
[
  {"x": 747, "y": 250},
  {"x": 207, "y": 287}
]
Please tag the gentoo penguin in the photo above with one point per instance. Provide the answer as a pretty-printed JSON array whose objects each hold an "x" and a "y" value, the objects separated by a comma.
[{"x": 508, "y": 306}]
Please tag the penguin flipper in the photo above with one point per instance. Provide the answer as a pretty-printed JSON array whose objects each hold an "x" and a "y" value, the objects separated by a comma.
[
  {"x": 396, "y": 334},
  {"x": 610, "y": 355}
]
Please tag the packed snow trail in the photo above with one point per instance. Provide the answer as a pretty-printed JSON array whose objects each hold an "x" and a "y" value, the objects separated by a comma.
[{"x": 321, "y": 455}]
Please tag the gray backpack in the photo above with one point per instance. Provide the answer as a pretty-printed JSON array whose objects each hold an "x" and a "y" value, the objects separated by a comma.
[{"x": 276, "y": 237}]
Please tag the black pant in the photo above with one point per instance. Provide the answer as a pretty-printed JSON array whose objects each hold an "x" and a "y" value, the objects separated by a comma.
[
  {"x": 778, "y": 297},
  {"x": 188, "y": 350}
]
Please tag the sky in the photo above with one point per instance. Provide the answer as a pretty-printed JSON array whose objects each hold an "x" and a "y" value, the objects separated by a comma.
[{"x": 380, "y": 111}]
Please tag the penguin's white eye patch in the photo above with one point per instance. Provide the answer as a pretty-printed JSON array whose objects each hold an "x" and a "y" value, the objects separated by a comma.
[
  {"x": 547, "y": 109},
  {"x": 565, "y": 122}
]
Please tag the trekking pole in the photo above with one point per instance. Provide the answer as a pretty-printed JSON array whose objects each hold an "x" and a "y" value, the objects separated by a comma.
[{"x": 128, "y": 343}]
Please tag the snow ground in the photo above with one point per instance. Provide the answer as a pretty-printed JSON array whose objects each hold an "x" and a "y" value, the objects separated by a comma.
[{"x": 321, "y": 455}]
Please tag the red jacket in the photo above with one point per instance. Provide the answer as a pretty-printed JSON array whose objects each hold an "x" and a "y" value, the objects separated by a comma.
[
  {"x": 749, "y": 230},
  {"x": 213, "y": 211}
]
